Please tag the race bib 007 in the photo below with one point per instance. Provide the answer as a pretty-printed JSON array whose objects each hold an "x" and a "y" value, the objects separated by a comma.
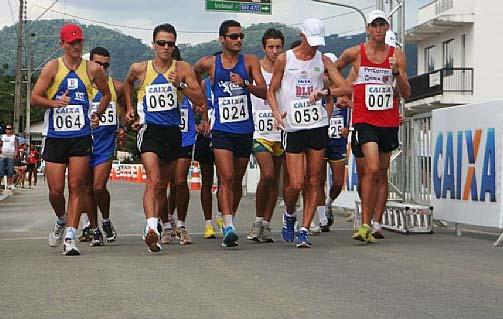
[
  {"x": 161, "y": 97},
  {"x": 109, "y": 117},
  {"x": 233, "y": 108},
  {"x": 303, "y": 113},
  {"x": 378, "y": 97},
  {"x": 68, "y": 119}
]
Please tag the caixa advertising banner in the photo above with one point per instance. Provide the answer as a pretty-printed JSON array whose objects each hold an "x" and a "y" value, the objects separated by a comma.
[{"x": 467, "y": 164}]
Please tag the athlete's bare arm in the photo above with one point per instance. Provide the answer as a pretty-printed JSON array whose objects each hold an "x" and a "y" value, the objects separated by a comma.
[
  {"x": 349, "y": 56},
  {"x": 187, "y": 75},
  {"x": 398, "y": 64},
  {"x": 329, "y": 105},
  {"x": 204, "y": 66},
  {"x": 97, "y": 75},
  {"x": 136, "y": 72},
  {"x": 257, "y": 85},
  {"x": 39, "y": 93},
  {"x": 338, "y": 87},
  {"x": 277, "y": 76}
]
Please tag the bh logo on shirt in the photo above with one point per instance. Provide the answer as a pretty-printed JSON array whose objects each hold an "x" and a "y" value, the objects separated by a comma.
[
  {"x": 464, "y": 165},
  {"x": 72, "y": 84}
]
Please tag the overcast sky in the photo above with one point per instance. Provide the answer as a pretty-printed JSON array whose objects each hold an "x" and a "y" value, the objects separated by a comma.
[{"x": 190, "y": 15}]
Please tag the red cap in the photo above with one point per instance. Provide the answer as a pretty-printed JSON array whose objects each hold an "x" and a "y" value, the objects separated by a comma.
[{"x": 70, "y": 33}]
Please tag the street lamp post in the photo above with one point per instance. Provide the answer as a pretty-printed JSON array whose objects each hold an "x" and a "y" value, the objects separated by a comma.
[{"x": 346, "y": 6}]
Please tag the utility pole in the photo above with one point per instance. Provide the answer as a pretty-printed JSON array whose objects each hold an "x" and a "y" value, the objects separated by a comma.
[
  {"x": 29, "y": 63},
  {"x": 19, "y": 54}
]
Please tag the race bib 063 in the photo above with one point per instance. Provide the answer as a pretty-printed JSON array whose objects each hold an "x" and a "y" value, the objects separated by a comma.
[
  {"x": 233, "y": 108},
  {"x": 161, "y": 97},
  {"x": 303, "y": 113},
  {"x": 68, "y": 119},
  {"x": 378, "y": 97}
]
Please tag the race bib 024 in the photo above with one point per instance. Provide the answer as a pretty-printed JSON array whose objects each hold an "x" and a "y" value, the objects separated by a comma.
[{"x": 233, "y": 108}]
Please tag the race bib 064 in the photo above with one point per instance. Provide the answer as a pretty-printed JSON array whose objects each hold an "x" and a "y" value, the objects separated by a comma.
[{"x": 68, "y": 119}]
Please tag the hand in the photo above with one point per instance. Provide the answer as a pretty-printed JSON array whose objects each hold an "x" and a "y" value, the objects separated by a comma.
[
  {"x": 402, "y": 118},
  {"x": 344, "y": 102},
  {"x": 62, "y": 100},
  {"x": 203, "y": 128},
  {"x": 136, "y": 126},
  {"x": 198, "y": 109},
  {"x": 121, "y": 136},
  {"x": 237, "y": 79},
  {"x": 316, "y": 95},
  {"x": 95, "y": 120},
  {"x": 173, "y": 78},
  {"x": 392, "y": 62},
  {"x": 344, "y": 132},
  {"x": 129, "y": 117},
  {"x": 278, "y": 120}
]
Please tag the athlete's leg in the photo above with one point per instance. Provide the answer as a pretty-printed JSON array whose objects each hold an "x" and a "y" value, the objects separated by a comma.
[
  {"x": 338, "y": 170},
  {"x": 182, "y": 188},
  {"x": 266, "y": 183},
  {"x": 78, "y": 170},
  {"x": 360, "y": 169},
  {"x": 369, "y": 180},
  {"x": 240, "y": 165},
  {"x": 313, "y": 160},
  {"x": 225, "y": 168},
  {"x": 101, "y": 193},
  {"x": 90, "y": 207},
  {"x": 274, "y": 192},
  {"x": 153, "y": 189},
  {"x": 295, "y": 169},
  {"x": 167, "y": 204},
  {"x": 207, "y": 172},
  {"x": 55, "y": 173}
]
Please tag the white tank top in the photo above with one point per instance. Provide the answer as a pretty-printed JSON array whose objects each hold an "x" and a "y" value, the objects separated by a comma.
[
  {"x": 8, "y": 145},
  {"x": 262, "y": 116},
  {"x": 300, "y": 78}
]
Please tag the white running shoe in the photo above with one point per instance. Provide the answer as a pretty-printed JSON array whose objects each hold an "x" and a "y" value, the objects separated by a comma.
[
  {"x": 56, "y": 236},
  {"x": 69, "y": 248},
  {"x": 314, "y": 229}
]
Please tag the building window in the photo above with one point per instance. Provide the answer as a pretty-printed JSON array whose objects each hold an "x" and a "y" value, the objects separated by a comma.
[
  {"x": 429, "y": 59},
  {"x": 448, "y": 56}
]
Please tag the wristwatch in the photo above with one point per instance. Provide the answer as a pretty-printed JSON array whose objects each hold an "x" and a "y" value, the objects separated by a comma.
[
  {"x": 246, "y": 83},
  {"x": 182, "y": 86},
  {"x": 395, "y": 74}
]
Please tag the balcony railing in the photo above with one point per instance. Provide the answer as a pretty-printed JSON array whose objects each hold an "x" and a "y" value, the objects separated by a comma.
[{"x": 442, "y": 81}]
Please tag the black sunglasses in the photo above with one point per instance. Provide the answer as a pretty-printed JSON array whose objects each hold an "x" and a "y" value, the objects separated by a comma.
[
  {"x": 235, "y": 36},
  {"x": 105, "y": 65},
  {"x": 163, "y": 43},
  {"x": 8, "y": 128}
]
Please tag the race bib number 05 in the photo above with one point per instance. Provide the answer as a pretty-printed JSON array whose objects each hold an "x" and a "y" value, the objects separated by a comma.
[
  {"x": 161, "y": 97},
  {"x": 184, "y": 120},
  {"x": 109, "y": 117},
  {"x": 264, "y": 122},
  {"x": 69, "y": 118},
  {"x": 336, "y": 125},
  {"x": 378, "y": 97},
  {"x": 233, "y": 108},
  {"x": 303, "y": 113}
]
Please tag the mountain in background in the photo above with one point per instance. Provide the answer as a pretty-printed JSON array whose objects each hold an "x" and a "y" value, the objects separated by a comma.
[{"x": 126, "y": 49}]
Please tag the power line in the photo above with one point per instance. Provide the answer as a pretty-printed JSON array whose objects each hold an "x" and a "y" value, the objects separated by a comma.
[{"x": 11, "y": 13}]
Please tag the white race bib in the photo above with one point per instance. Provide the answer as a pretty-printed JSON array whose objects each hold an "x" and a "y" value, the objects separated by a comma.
[
  {"x": 303, "y": 113},
  {"x": 233, "y": 108},
  {"x": 184, "y": 120},
  {"x": 264, "y": 122},
  {"x": 161, "y": 97},
  {"x": 109, "y": 117},
  {"x": 68, "y": 119},
  {"x": 378, "y": 97},
  {"x": 336, "y": 125}
]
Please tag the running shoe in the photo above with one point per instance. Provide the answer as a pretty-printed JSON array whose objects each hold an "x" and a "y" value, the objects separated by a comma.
[
  {"x": 56, "y": 236},
  {"x": 220, "y": 226},
  {"x": 230, "y": 237},
  {"x": 303, "y": 239},
  {"x": 87, "y": 234},
  {"x": 266, "y": 236},
  {"x": 364, "y": 234},
  {"x": 325, "y": 228},
  {"x": 184, "y": 236},
  {"x": 377, "y": 231},
  {"x": 288, "y": 229},
  {"x": 69, "y": 248},
  {"x": 97, "y": 238},
  {"x": 255, "y": 231},
  {"x": 314, "y": 229},
  {"x": 110, "y": 232},
  {"x": 168, "y": 236},
  {"x": 152, "y": 240},
  {"x": 209, "y": 232},
  {"x": 330, "y": 215}
]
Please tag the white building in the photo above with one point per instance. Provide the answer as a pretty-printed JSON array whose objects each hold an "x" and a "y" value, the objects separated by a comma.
[{"x": 459, "y": 47}]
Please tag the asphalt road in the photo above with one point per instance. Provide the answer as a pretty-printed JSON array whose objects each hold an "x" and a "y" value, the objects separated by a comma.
[{"x": 415, "y": 276}]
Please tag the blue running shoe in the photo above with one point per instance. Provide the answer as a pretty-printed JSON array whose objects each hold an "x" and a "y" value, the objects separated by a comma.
[
  {"x": 288, "y": 229},
  {"x": 303, "y": 239},
  {"x": 230, "y": 237}
]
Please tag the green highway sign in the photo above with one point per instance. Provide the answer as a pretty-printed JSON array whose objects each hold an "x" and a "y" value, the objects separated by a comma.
[{"x": 239, "y": 6}]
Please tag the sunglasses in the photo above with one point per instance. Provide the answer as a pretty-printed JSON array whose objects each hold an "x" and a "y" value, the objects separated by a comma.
[
  {"x": 375, "y": 24},
  {"x": 235, "y": 36},
  {"x": 105, "y": 65},
  {"x": 8, "y": 128},
  {"x": 163, "y": 43}
]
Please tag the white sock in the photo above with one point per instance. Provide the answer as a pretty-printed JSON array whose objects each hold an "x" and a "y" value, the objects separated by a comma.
[
  {"x": 70, "y": 233},
  {"x": 207, "y": 223},
  {"x": 61, "y": 221},
  {"x": 258, "y": 219},
  {"x": 167, "y": 225},
  {"x": 85, "y": 220},
  {"x": 321, "y": 215},
  {"x": 103, "y": 221},
  {"x": 170, "y": 217},
  {"x": 180, "y": 224},
  {"x": 220, "y": 215},
  {"x": 304, "y": 229},
  {"x": 376, "y": 226},
  {"x": 289, "y": 215},
  {"x": 228, "y": 220},
  {"x": 152, "y": 222},
  {"x": 266, "y": 223},
  {"x": 312, "y": 225}
]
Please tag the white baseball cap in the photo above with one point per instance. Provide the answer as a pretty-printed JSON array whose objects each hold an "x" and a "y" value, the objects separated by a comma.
[
  {"x": 331, "y": 56},
  {"x": 377, "y": 14},
  {"x": 314, "y": 30},
  {"x": 390, "y": 38}
]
